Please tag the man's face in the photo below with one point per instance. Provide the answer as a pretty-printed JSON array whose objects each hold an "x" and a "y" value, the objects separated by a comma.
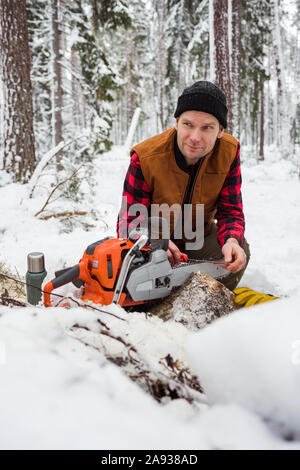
[{"x": 197, "y": 133}]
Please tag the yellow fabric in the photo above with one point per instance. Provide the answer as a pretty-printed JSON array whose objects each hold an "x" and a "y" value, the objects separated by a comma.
[{"x": 246, "y": 297}]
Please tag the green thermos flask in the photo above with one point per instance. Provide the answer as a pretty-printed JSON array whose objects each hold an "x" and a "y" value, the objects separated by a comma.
[{"x": 35, "y": 275}]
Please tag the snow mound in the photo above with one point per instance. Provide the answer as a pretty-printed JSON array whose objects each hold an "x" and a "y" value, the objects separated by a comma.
[{"x": 252, "y": 359}]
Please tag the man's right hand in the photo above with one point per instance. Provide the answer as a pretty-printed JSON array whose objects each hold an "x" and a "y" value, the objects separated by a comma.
[{"x": 173, "y": 253}]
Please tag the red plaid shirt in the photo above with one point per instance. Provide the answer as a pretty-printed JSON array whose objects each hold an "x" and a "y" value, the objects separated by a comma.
[{"x": 229, "y": 215}]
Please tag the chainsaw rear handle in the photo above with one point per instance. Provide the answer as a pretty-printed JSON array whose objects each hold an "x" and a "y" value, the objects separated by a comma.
[{"x": 69, "y": 275}]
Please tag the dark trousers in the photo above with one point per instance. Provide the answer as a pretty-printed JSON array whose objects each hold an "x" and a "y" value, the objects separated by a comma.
[{"x": 212, "y": 249}]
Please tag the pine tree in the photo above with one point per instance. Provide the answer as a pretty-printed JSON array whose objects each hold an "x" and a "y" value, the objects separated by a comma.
[
  {"x": 222, "y": 69},
  {"x": 295, "y": 59},
  {"x": 199, "y": 45},
  {"x": 91, "y": 21},
  {"x": 39, "y": 30},
  {"x": 236, "y": 50},
  {"x": 179, "y": 32},
  {"x": 160, "y": 7},
  {"x": 279, "y": 67},
  {"x": 57, "y": 91},
  {"x": 262, "y": 123},
  {"x": 144, "y": 55},
  {"x": 254, "y": 72},
  {"x": 133, "y": 57},
  {"x": 19, "y": 149}
]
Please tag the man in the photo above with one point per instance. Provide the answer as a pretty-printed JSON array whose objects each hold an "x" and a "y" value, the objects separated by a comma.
[{"x": 195, "y": 162}]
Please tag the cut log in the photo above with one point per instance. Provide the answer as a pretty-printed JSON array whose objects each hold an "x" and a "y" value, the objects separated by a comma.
[{"x": 199, "y": 301}]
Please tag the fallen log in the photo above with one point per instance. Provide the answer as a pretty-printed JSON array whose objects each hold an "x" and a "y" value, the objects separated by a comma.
[{"x": 198, "y": 302}]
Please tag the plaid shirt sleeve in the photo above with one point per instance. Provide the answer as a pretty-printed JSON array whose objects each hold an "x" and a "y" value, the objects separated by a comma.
[
  {"x": 136, "y": 191},
  {"x": 230, "y": 215}
]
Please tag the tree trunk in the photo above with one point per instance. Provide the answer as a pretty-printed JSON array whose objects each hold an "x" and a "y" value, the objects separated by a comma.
[
  {"x": 128, "y": 71},
  {"x": 19, "y": 148},
  {"x": 280, "y": 77},
  {"x": 212, "y": 65},
  {"x": 222, "y": 54},
  {"x": 236, "y": 65},
  {"x": 262, "y": 123},
  {"x": 181, "y": 51},
  {"x": 75, "y": 88},
  {"x": 161, "y": 25},
  {"x": 57, "y": 93}
]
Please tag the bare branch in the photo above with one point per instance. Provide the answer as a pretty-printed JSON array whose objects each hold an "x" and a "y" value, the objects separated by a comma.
[
  {"x": 62, "y": 214},
  {"x": 178, "y": 382},
  {"x": 8, "y": 301},
  {"x": 55, "y": 188}
]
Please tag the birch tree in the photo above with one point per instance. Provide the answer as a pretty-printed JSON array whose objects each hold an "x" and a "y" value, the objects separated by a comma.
[{"x": 18, "y": 139}]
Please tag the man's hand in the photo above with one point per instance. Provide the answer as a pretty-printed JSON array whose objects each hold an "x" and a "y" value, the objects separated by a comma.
[
  {"x": 173, "y": 253},
  {"x": 233, "y": 254}
]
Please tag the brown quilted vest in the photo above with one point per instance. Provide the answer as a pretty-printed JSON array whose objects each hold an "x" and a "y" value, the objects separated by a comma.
[{"x": 168, "y": 183}]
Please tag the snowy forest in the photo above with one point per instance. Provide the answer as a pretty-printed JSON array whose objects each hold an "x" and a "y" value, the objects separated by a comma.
[
  {"x": 85, "y": 66},
  {"x": 81, "y": 82}
]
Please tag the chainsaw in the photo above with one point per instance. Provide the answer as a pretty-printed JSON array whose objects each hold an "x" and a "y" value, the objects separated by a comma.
[{"x": 129, "y": 271}]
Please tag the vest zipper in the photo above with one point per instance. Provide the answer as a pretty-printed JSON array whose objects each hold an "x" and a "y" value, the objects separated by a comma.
[
  {"x": 186, "y": 190},
  {"x": 192, "y": 188}
]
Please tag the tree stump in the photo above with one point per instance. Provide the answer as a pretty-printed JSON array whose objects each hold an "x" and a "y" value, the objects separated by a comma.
[{"x": 199, "y": 301}]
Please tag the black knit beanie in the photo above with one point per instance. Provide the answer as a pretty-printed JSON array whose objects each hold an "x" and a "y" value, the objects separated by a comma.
[{"x": 203, "y": 96}]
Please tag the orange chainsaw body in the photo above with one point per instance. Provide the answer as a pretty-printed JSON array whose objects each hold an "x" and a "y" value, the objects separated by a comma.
[{"x": 97, "y": 272}]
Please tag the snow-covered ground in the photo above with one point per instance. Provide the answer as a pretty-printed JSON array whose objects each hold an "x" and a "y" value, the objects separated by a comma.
[{"x": 58, "y": 393}]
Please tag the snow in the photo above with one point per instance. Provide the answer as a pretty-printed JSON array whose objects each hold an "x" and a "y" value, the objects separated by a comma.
[
  {"x": 58, "y": 393},
  {"x": 271, "y": 199},
  {"x": 254, "y": 362},
  {"x": 60, "y": 397}
]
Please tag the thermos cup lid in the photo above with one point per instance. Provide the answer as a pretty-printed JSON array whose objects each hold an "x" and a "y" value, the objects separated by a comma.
[{"x": 36, "y": 262}]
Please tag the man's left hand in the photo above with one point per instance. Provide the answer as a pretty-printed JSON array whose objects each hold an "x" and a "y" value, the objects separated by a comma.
[{"x": 233, "y": 254}]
